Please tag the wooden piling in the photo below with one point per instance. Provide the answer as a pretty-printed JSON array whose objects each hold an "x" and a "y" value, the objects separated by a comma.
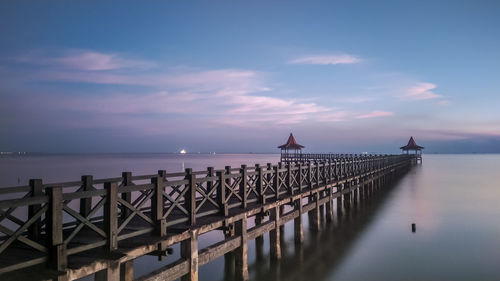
[
  {"x": 189, "y": 251},
  {"x": 241, "y": 262},
  {"x": 274, "y": 235}
]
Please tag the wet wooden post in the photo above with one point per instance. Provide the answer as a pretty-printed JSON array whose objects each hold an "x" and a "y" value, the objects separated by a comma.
[
  {"x": 355, "y": 192},
  {"x": 127, "y": 271},
  {"x": 274, "y": 234},
  {"x": 229, "y": 261},
  {"x": 298, "y": 230},
  {"x": 259, "y": 240},
  {"x": 314, "y": 216},
  {"x": 329, "y": 205},
  {"x": 58, "y": 259},
  {"x": 347, "y": 196},
  {"x": 34, "y": 230},
  {"x": 126, "y": 196},
  {"x": 189, "y": 251},
  {"x": 241, "y": 256},
  {"x": 340, "y": 188},
  {"x": 111, "y": 273}
]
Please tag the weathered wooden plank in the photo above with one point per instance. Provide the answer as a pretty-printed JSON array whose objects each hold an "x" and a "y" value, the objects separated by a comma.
[{"x": 216, "y": 250}]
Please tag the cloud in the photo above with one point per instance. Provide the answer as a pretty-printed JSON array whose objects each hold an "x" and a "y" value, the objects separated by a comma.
[
  {"x": 420, "y": 91},
  {"x": 85, "y": 60},
  {"x": 375, "y": 114},
  {"x": 358, "y": 99},
  {"x": 444, "y": 102},
  {"x": 327, "y": 59}
]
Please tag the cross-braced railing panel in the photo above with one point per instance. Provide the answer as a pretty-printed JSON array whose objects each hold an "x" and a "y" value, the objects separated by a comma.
[
  {"x": 174, "y": 196},
  {"x": 206, "y": 189}
]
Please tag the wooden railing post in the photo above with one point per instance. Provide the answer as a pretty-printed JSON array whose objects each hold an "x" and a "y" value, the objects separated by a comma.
[
  {"x": 309, "y": 175},
  {"x": 86, "y": 203},
  {"x": 58, "y": 259},
  {"x": 276, "y": 182},
  {"x": 289, "y": 178},
  {"x": 111, "y": 215},
  {"x": 157, "y": 206},
  {"x": 318, "y": 179},
  {"x": 210, "y": 183},
  {"x": 243, "y": 186},
  {"x": 221, "y": 193},
  {"x": 300, "y": 177},
  {"x": 36, "y": 189},
  {"x": 190, "y": 197},
  {"x": 126, "y": 196},
  {"x": 260, "y": 184}
]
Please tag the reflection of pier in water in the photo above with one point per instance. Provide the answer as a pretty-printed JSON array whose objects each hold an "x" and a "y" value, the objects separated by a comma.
[{"x": 323, "y": 250}]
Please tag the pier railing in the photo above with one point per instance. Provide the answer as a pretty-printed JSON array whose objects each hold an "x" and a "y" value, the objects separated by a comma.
[{"x": 50, "y": 222}]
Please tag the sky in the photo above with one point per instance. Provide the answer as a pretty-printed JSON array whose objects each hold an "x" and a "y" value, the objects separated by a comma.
[{"x": 239, "y": 76}]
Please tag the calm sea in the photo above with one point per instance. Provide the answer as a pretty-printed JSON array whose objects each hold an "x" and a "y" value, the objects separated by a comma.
[{"x": 454, "y": 200}]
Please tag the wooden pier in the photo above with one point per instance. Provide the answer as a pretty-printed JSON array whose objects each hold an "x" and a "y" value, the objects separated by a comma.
[{"x": 65, "y": 231}]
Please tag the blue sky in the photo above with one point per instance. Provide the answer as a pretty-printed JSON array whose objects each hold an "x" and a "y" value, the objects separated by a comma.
[{"x": 239, "y": 76}]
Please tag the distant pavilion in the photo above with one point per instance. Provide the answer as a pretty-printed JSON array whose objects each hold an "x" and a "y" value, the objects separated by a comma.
[
  {"x": 290, "y": 145},
  {"x": 413, "y": 146}
]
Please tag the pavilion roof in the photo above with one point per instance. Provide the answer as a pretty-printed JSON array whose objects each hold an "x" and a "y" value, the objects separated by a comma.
[
  {"x": 412, "y": 145},
  {"x": 291, "y": 144}
]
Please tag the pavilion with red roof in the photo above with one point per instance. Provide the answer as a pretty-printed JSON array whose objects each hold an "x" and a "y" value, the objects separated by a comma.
[
  {"x": 413, "y": 146},
  {"x": 290, "y": 145}
]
